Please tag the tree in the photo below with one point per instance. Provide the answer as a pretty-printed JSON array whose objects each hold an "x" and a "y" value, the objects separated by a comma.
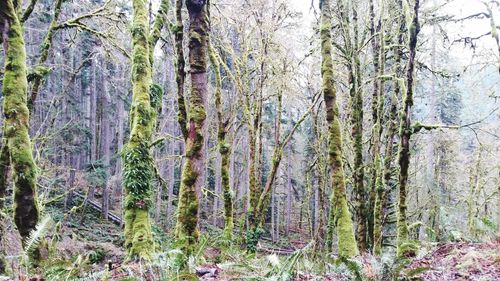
[
  {"x": 405, "y": 132},
  {"x": 385, "y": 183},
  {"x": 16, "y": 120},
  {"x": 340, "y": 216},
  {"x": 224, "y": 146},
  {"x": 137, "y": 157},
  {"x": 186, "y": 230}
]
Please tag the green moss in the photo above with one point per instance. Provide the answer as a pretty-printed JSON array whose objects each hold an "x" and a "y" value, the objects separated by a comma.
[
  {"x": 180, "y": 73},
  {"x": 38, "y": 72},
  {"x": 186, "y": 230},
  {"x": 407, "y": 249},
  {"x": 252, "y": 238},
  {"x": 156, "y": 95}
]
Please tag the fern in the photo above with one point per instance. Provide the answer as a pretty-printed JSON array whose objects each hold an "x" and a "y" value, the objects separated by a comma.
[
  {"x": 286, "y": 271},
  {"x": 353, "y": 266},
  {"x": 36, "y": 235}
]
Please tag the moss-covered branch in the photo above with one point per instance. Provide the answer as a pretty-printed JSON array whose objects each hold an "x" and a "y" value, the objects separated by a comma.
[
  {"x": 29, "y": 9},
  {"x": 158, "y": 24},
  {"x": 44, "y": 55},
  {"x": 180, "y": 64}
]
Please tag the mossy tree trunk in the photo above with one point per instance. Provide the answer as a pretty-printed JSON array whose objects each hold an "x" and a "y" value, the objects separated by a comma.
[
  {"x": 180, "y": 63},
  {"x": 377, "y": 112},
  {"x": 405, "y": 132},
  {"x": 357, "y": 135},
  {"x": 255, "y": 229},
  {"x": 340, "y": 216},
  {"x": 137, "y": 158},
  {"x": 474, "y": 189},
  {"x": 254, "y": 187},
  {"x": 187, "y": 231},
  {"x": 262, "y": 197},
  {"x": 388, "y": 170},
  {"x": 40, "y": 69},
  {"x": 224, "y": 147},
  {"x": 16, "y": 120}
]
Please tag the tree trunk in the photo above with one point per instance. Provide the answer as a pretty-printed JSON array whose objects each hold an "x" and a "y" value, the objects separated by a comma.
[
  {"x": 224, "y": 148},
  {"x": 16, "y": 120},
  {"x": 187, "y": 232},
  {"x": 180, "y": 73},
  {"x": 289, "y": 192},
  {"x": 403, "y": 247},
  {"x": 357, "y": 135},
  {"x": 105, "y": 142},
  {"x": 340, "y": 216},
  {"x": 136, "y": 155}
]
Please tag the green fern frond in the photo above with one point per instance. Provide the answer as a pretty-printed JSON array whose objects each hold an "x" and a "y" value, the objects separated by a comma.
[{"x": 36, "y": 235}]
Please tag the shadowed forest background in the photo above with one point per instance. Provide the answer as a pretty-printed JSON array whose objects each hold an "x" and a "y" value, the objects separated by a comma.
[{"x": 250, "y": 140}]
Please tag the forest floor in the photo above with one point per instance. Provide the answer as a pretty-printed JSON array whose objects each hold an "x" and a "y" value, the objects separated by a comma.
[
  {"x": 460, "y": 261},
  {"x": 87, "y": 247}
]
